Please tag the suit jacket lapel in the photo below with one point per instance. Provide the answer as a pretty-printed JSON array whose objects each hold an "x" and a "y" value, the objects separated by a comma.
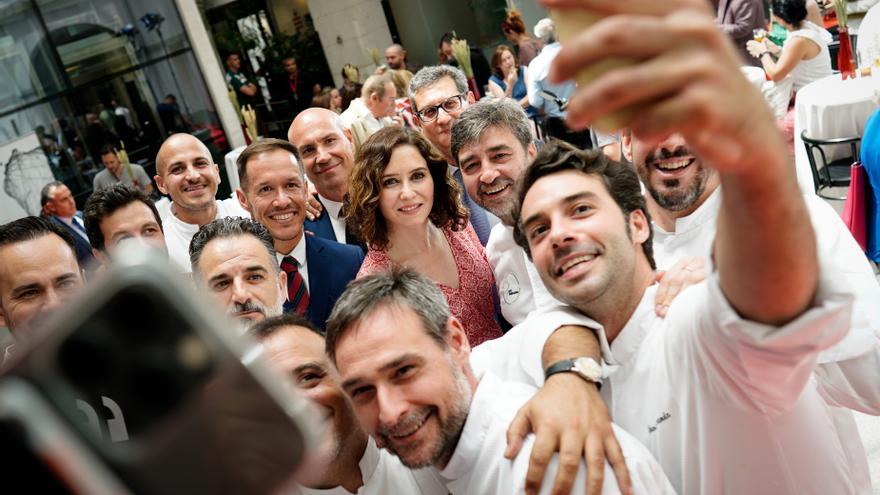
[{"x": 318, "y": 286}]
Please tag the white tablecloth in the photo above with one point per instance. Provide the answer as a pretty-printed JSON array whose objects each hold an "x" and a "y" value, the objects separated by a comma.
[
  {"x": 232, "y": 168},
  {"x": 831, "y": 108}
]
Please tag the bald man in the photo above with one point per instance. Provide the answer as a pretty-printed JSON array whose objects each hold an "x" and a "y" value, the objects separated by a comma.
[
  {"x": 186, "y": 172},
  {"x": 326, "y": 149}
]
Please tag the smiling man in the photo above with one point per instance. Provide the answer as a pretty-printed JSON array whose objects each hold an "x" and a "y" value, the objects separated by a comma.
[
  {"x": 327, "y": 152},
  {"x": 186, "y": 172},
  {"x": 234, "y": 260},
  {"x": 348, "y": 461},
  {"x": 39, "y": 273},
  {"x": 492, "y": 145},
  {"x": 404, "y": 362},
  {"x": 273, "y": 192}
]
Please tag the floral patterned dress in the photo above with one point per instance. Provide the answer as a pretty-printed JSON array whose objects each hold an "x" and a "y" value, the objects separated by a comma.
[{"x": 472, "y": 302}]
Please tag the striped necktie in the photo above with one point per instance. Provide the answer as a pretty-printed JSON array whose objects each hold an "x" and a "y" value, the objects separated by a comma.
[
  {"x": 478, "y": 215},
  {"x": 297, "y": 293}
]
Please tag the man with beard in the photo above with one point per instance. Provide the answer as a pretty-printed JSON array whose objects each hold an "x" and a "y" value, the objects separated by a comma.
[
  {"x": 186, "y": 172},
  {"x": 492, "y": 145},
  {"x": 404, "y": 362},
  {"x": 234, "y": 260},
  {"x": 273, "y": 192},
  {"x": 722, "y": 388},
  {"x": 348, "y": 461},
  {"x": 39, "y": 272},
  {"x": 684, "y": 201}
]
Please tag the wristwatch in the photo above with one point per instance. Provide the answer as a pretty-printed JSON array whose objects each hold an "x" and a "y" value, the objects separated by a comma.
[{"x": 584, "y": 367}]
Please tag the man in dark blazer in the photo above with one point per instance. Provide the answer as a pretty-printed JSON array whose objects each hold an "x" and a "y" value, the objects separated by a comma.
[
  {"x": 737, "y": 19},
  {"x": 59, "y": 207},
  {"x": 327, "y": 152},
  {"x": 273, "y": 191}
]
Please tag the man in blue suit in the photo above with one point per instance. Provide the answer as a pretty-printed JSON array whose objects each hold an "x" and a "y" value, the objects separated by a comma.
[
  {"x": 59, "y": 207},
  {"x": 273, "y": 192},
  {"x": 327, "y": 152}
]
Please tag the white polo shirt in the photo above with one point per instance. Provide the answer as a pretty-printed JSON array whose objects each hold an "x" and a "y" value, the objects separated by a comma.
[
  {"x": 178, "y": 234},
  {"x": 520, "y": 289},
  {"x": 478, "y": 465},
  {"x": 383, "y": 474}
]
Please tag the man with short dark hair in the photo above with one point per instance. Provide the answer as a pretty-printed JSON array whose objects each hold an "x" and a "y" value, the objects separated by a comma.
[
  {"x": 121, "y": 212},
  {"x": 245, "y": 90},
  {"x": 404, "y": 361},
  {"x": 234, "y": 260},
  {"x": 273, "y": 192},
  {"x": 349, "y": 460},
  {"x": 439, "y": 94},
  {"x": 186, "y": 171},
  {"x": 60, "y": 208},
  {"x": 119, "y": 173},
  {"x": 39, "y": 272}
]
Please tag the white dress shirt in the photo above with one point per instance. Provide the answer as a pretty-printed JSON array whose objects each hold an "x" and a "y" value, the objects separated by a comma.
[
  {"x": 178, "y": 234},
  {"x": 383, "y": 474},
  {"x": 334, "y": 211},
  {"x": 299, "y": 254},
  {"x": 478, "y": 465},
  {"x": 520, "y": 288}
]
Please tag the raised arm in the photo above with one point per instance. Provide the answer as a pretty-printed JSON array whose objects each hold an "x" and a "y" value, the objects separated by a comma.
[{"x": 688, "y": 81}]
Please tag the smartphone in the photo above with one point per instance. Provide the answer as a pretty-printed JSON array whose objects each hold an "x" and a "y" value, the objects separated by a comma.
[
  {"x": 143, "y": 373},
  {"x": 568, "y": 24}
]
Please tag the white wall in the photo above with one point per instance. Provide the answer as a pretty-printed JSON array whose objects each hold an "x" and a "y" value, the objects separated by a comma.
[{"x": 347, "y": 29}]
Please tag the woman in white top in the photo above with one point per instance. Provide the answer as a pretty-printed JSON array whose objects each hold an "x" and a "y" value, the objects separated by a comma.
[{"x": 804, "y": 55}]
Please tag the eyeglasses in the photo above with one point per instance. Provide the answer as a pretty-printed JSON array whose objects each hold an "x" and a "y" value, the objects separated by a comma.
[{"x": 449, "y": 105}]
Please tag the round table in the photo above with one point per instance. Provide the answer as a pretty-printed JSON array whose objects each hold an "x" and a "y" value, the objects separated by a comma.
[
  {"x": 755, "y": 75},
  {"x": 831, "y": 108}
]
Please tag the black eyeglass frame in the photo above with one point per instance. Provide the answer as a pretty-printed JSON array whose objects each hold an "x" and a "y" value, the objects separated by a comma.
[{"x": 441, "y": 106}]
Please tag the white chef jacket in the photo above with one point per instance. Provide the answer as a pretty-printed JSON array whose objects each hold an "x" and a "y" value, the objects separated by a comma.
[
  {"x": 179, "y": 234},
  {"x": 383, "y": 474},
  {"x": 721, "y": 413},
  {"x": 848, "y": 371},
  {"x": 520, "y": 289},
  {"x": 478, "y": 465}
]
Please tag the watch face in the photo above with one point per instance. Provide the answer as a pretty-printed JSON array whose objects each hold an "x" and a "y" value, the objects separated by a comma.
[{"x": 589, "y": 368}]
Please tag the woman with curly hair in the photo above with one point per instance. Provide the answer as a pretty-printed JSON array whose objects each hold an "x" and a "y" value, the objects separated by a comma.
[{"x": 408, "y": 210}]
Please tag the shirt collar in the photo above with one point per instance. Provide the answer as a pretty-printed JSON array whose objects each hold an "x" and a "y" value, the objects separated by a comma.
[
  {"x": 368, "y": 464},
  {"x": 472, "y": 438},
  {"x": 298, "y": 252},
  {"x": 705, "y": 213},
  {"x": 633, "y": 333},
  {"x": 332, "y": 207}
]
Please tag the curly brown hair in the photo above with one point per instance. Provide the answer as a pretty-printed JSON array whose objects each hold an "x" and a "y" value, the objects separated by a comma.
[{"x": 365, "y": 184}]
